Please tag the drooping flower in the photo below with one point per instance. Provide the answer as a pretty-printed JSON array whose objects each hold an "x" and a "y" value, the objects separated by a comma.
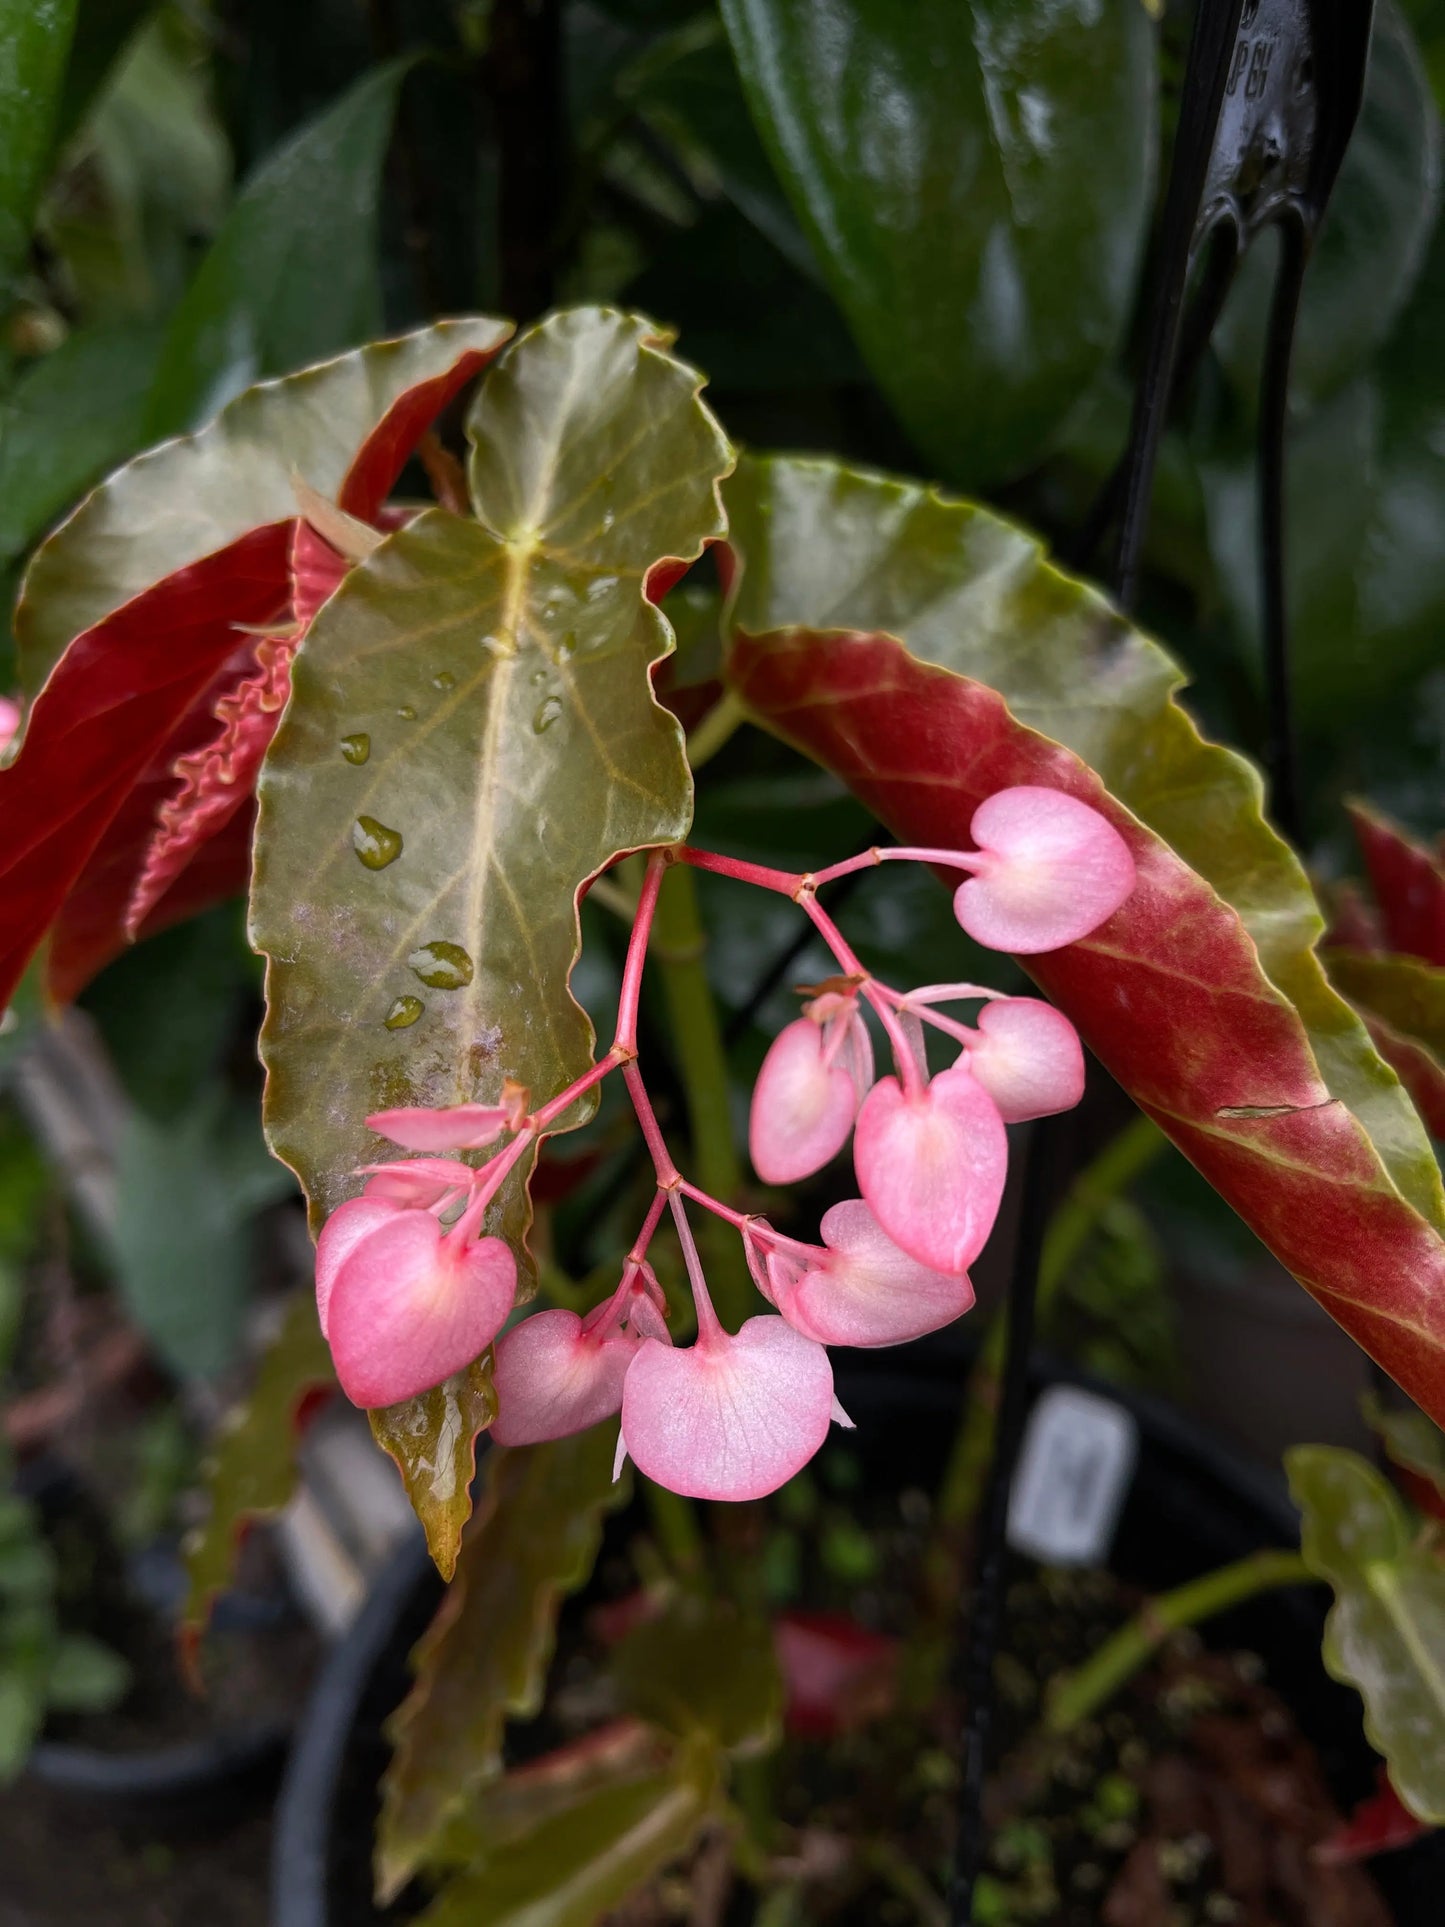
[
  {"x": 861, "y": 1289},
  {"x": 408, "y": 1303},
  {"x": 732, "y": 1416},
  {"x": 1048, "y": 870},
  {"x": 557, "y": 1373},
  {"x": 342, "y": 1232},
  {"x": 931, "y": 1163},
  {"x": 814, "y": 1077},
  {"x": 1028, "y": 1057}
]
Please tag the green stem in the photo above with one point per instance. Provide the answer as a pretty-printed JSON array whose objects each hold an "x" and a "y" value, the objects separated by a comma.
[
  {"x": 1088, "y": 1197},
  {"x": 679, "y": 946},
  {"x": 721, "y": 722},
  {"x": 1077, "y": 1696}
]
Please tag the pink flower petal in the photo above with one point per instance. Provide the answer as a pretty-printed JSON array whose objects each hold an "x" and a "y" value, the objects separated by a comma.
[
  {"x": 734, "y": 1418},
  {"x": 1052, "y": 870},
  {"x": 348, "y": 1224},
  {"x": 553, "y": 1379},
  {"x": 419, "y": 1181},
  {"x": 462, "y": 1127},
  {"x": 410, "y": 1306},
  {"x": 932, "y": 1166},
  {"x": 865, "y": 1291},
  {"x": 1028, "y": 1058},
  {"x": 803, "y": 1108}
]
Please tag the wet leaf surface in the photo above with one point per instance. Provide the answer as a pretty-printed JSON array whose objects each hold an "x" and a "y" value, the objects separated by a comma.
[{"x": 433, "y": 1439}]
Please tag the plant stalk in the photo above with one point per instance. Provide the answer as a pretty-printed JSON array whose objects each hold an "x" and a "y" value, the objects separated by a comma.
[{"x": 1077, "y": 1696}]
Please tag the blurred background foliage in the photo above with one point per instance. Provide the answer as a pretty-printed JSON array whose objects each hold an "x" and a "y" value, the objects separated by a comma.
[{"x": 913, "y": 235}]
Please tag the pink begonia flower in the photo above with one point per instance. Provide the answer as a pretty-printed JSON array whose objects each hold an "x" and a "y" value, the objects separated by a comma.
[
  {"x": 460, "y": 1127},
  {"x": 931, "y": 1164},
  {"x": 861, "y": 1289},
  {"x": 814, "y": 1077},
  {"x": 1047, "y": 871},
  {"x": 732, "y": 1417},
  {"x": 343, "y": 1230},
  {"x": 409, "y": 1303},
  {"x": 420, "y": 1181},
  {"x": 1028, "y": 1058},
  {"x": 557, "y": 1373},
  {"x": 11, "y": 717}
]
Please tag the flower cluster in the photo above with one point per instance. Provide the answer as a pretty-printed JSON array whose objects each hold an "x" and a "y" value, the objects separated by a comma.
[{"x": 411, "y": 1289}]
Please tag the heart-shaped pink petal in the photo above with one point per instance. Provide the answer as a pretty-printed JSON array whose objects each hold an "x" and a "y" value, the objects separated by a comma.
[
  {"x": 803, "y": 1106},
  {"x": 864, "y": 1290},
  {"x": 733, "y": 1418},
  {"x": 931, "y": 1166},
  {"x": 460, "y": 1127},
  {"x": 552, "y": 1378},
  {"x": 1028, "y": 1058},
  {"x": 348, "y": 1224},
  {"x": 409, "y": 1306},
  {"x": 1050, "y": 869}
]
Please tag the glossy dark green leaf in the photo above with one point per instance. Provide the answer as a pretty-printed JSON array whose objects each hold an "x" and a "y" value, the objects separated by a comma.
[
  {"x": 35, "y": 38},
  {"x": 250, "y": 1471},
  {"x": 102, "y": 28},
  {"x": 1373, "y": 242},
  {"x": 705, "y": 1668},
  {"x": 1386, "y": 1631},
  {"x": 57, "y": 436},
  {"x": 579, "y": 1861},
  {"x": 974, "y": 177},
  {"x": 293, "y": 274},
  {"x": 499, "y": 670},
  {"x": 433, "y": 1439},
  {"x": 485, "y": 1658}
]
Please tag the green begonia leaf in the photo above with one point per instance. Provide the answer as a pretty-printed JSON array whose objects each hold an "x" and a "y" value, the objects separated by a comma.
[
  {"x": 292, "y": 276},
  {"x": 1386, "y": 1631},
  {"x": 974, "y": 176},
  {"x": 35, "y": 38},
  {"x": 484, "y": 1660}
]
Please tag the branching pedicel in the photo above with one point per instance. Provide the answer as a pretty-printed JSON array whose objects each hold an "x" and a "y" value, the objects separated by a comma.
[{"x": 409, "y": 1289}]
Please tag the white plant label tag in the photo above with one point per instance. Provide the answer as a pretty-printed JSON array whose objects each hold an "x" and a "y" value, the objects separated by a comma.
[{"x": 1073, "y": 1474}]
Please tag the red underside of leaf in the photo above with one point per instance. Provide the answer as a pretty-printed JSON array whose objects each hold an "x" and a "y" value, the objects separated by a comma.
[
  {"x": 1379, "y": 1824},
  {"x": 1416, "y": 1069},
  {"x": 1409, "y": 886},
  {"x": 1168, "y": 993},
  {"x": 115, "y": 705},
  {"x": 383, "y": 455}
]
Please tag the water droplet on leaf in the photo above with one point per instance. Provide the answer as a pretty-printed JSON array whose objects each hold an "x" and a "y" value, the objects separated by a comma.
[
  {"x": 444, "y": 679},
  {"x": 356, "y": 748},
  {"x": 374, "y": 843},
  {"x": 404, "y": 1011},
  {"x": 445, "y": 966},
  {"x": 407, "y": 713},
  {"x": 547, "y": 714}
]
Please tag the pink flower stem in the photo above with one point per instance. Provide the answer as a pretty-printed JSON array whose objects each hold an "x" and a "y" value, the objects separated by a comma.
[
  {"x": 908, "y": 1070},
  {"x": 490, "y": 1180},
  {"x": 920, "y": 1008},
  {"x": 649, "y": 1224},
  {"x": 668, "y": 1176},
  {"x": 948, "y": 859},
  {"x": 625, "y": 1036},
  {"x": 709, "y": 1327},
  {"x": 547, "y": 1113},
  {"x": 786, "y": 883}
]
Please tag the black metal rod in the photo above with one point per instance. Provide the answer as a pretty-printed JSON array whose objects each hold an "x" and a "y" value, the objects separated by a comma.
[
  {"x": 987, "y": 1597},
  {"x": 1215, "y": 28},
  {"x": 1280, "y": 758}
]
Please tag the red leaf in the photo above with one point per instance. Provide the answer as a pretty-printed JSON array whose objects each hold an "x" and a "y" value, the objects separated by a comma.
[
  {"x": 1169, "y": 993},
  {"x": 1415, "y": 1066},
  {"x": 837, "y": 1674},
  {"x": 1379, "y": 1824},
  {"x": 121, "y": 695},
  {"x": 1409, "y": 885}
]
